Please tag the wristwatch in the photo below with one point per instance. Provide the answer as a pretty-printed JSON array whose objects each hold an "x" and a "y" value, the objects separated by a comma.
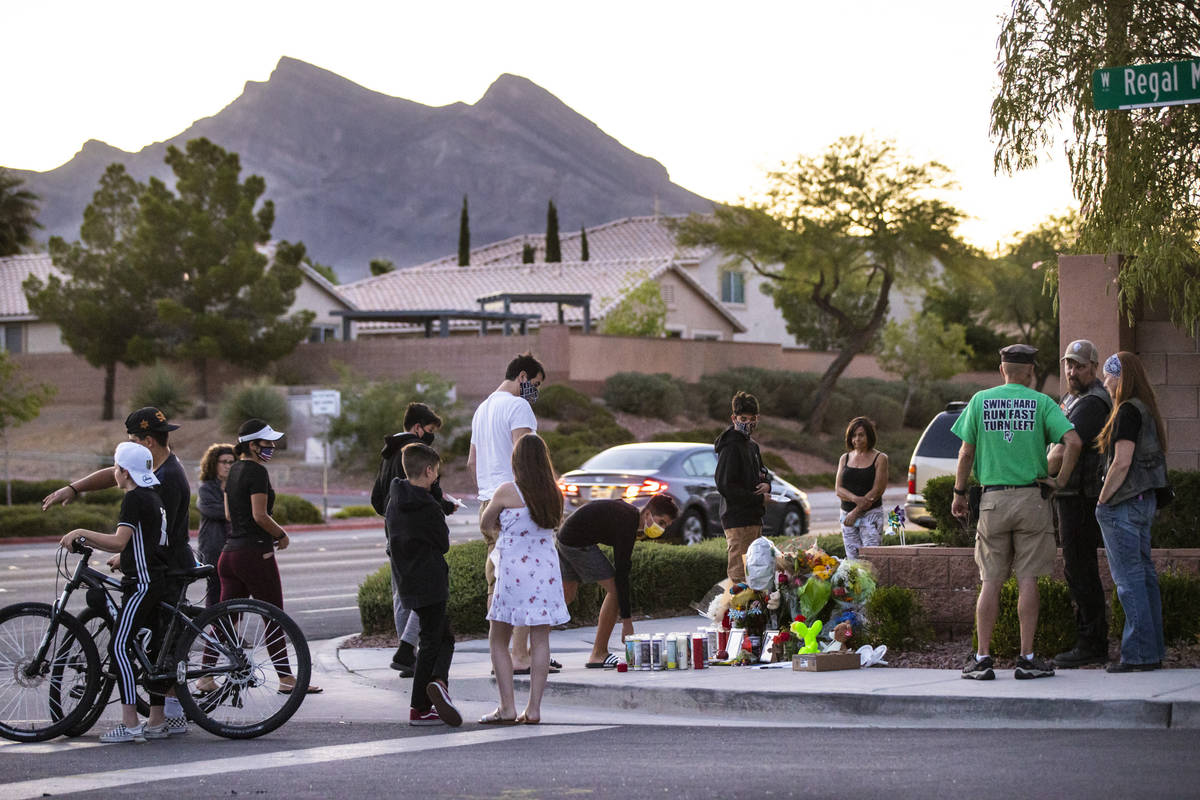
[{"x": 960, "y": 492}]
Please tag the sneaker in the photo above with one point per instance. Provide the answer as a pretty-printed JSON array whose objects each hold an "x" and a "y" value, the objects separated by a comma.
[
  {"x": 1119, "y": 667},
  {"x": 978, "y": 669},
  {"x": 176, "y": 726},
  {"x": 403, "y": 670},
  {"x": 1080, "y": 656},
  {"x": 123, "y": 734},
  {"x": 429, "y": 717},
  {"x": 404, "y": 659},
  {"x": 441, "y": 701},
  {"x": 1028, "y": 668},
  {"x": 155, "y": 731}
]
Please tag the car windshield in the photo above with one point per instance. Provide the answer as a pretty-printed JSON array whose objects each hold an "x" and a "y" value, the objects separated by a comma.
[
  {"x": 629, "y": 458},
  {"x": 939, "y": 441}
]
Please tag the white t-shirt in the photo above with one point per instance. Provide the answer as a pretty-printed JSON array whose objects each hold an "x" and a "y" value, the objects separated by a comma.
[{"x": 491, "y": 434}]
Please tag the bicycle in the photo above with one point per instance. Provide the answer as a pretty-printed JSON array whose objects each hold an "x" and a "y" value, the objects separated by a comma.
[{"x": 225, "y": 662}]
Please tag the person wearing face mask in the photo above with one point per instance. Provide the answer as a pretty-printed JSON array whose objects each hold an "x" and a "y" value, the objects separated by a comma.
[
  {"x": 421, "y": 424},
  {"x": 616, "y": 524},
  {"x": 742, "y": 481},
  {"x": 247, "y": 565}
]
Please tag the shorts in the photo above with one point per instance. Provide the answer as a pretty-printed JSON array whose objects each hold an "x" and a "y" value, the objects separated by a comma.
[
  {"x": 1015, "y": 535},
  {"x": 584, "y": 564}
]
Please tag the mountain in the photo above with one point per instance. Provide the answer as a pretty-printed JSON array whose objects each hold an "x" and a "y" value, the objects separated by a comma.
[{"x": 357, "y": 175}]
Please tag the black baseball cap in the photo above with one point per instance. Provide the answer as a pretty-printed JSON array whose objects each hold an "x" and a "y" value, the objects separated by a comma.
[{"x": 148, "y": 420}]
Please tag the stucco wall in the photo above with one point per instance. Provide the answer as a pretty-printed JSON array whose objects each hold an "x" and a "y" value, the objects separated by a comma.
[{"x": 44, "y": 337}]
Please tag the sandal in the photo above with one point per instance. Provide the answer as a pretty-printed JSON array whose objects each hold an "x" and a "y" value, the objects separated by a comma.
[
  {"x": 494, "y": 718},
  {"x": 312, "y": 688},
  {"x": 522, "y": 719},
  {"x": 608, "y": 663}
]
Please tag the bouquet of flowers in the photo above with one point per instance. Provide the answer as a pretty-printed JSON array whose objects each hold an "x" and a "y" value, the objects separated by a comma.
[{"x": 853, "y": 583}]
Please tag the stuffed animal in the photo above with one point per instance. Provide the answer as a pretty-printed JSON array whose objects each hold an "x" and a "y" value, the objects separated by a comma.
[
  {"x": 807, "y": 634},
  {"x": 842, "y": 633}
]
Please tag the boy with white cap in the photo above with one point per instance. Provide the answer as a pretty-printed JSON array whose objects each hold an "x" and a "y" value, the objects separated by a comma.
[{"x": 141, "y": 540}]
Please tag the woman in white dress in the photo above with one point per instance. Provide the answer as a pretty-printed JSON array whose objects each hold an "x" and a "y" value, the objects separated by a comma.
[{"x": 529, "y": 589}]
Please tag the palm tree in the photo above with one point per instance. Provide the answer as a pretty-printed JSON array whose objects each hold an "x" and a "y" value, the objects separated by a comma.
[{"x": 18, "y": 214}]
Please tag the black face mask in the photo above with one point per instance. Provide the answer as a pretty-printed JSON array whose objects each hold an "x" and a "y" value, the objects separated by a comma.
[{"x": 427, "y": 437}]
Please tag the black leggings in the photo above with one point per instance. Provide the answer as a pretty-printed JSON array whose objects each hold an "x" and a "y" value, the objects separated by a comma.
[
  {"x": 253, "y": 573},
  {"x": 139, "y": 609}
]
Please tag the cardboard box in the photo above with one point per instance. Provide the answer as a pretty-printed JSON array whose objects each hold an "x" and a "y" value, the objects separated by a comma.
[{"x": 825, "y": 662}]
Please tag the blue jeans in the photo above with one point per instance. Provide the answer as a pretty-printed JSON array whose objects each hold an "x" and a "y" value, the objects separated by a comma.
[{"x": 1126, "y": 531}]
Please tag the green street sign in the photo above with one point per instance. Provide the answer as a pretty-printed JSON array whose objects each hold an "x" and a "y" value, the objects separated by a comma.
[{"x": 1146, "y": 85}]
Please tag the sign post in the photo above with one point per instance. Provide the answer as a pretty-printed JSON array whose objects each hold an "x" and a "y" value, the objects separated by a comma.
[
  {"x": 327, "y": 403},
  {"x": 1171, "y": 83}
]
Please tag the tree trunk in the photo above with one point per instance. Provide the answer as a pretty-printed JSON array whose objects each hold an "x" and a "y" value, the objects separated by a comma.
[
  {"x": 110, "y": 384},
  {"x": 201, "y": 367},
  {"x": 907, "y": 401}
]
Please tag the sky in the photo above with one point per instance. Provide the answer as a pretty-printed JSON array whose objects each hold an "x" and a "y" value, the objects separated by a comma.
[{"x": 719, "y": 93}]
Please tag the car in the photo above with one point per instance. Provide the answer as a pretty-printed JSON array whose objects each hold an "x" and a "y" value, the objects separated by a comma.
[
  {"x": 685, "y": 470},
  {"x": 935, "y": 455}
]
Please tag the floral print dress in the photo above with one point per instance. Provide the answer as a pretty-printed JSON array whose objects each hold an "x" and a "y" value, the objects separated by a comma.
[{"x": 528, "y": 579}]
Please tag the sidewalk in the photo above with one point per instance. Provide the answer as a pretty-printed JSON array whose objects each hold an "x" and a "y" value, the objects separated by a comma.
[{"x": 874, "y": 697}]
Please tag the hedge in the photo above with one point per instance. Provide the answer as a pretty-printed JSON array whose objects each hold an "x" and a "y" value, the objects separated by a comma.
[
  {"x": 1056, "y": 629},
  {"x": 1180, "y": 593},
  {"x": 28, "y": 492},
  {"x": 659, "y": 395},
  {"x": 29, "y": 519}
]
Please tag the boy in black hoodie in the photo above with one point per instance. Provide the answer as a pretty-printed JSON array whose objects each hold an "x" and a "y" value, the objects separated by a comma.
[
  {"x": 420, "y": 425},
  {"x": 742, "y": 481},
  {"x": 417, "y": 543}
]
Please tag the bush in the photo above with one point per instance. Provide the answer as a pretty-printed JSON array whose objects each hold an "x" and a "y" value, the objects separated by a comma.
[
  {"x": 573, "y": 443},
  {"x": 702, "y": 435},
  {"x": 939, "y": 495},
  {"x": 29, "y": 520},
  {"x": 1180, "y": 593},
  {"x": 1178, "y": 525},
  {"x": 814, "y": 480},
  {"x": 165, "y": 389},
  {"x": 352, "y": 512},
  {"x": 896, "y": 618},
  {"x": 568, "y": 405},
  {"x": 256, "y": 399},
  {"x": 777, "y": 464},
  {"x": 657, "y": 395},
  {"x": 292, "y": 509},
  {"x": 1056, "y": 628},
  {"x": 375, "y": 602},
  {"x": 899, "y": 445},
  {"x": 29, "y": 492}
]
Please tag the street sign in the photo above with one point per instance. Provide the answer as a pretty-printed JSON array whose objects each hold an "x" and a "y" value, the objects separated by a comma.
[
  {"x": 327, "y": 402},
  {"x": 1171, "y": 83}
]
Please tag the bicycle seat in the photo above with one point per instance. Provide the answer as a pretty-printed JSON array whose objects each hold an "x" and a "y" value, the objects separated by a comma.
[{"x": 195, "y": 573}]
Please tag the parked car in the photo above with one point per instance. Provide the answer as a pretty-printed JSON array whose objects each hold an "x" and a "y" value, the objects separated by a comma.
[
  {"x": 634, "y": 472},
  {"x": 935, "y": 455}
]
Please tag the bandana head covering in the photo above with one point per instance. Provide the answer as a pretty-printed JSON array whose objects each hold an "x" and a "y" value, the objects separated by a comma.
[{"x": 1113, "y": 366}]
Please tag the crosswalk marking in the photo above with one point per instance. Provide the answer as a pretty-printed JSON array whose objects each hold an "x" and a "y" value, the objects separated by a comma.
[{"x": 282, "y": 758}]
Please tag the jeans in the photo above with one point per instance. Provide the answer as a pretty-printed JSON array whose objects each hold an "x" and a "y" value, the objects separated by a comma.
[
  {"x": 1126, "y": 531},
  {"x": 1080, "y": 533},
  {"x": 435, "y": 652},
  {"x": 408, "y": 624}
]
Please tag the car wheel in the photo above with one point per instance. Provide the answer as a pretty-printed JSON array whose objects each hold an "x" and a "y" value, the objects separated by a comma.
[
  {"x": 692, "y": 527},
  {"x": 793, "y": 523}
]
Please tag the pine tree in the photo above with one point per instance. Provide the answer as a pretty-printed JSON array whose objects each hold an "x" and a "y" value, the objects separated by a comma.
[
  {"x": 18, "y": 214},
  {"x": 553, "y": 246},
  {"x": 527, "y": 253},
  {"x": 464, "y": 236},
  {"x": 583, "y": 246}
]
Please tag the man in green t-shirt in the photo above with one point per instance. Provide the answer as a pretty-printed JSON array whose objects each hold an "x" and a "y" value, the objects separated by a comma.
[{"x": 1004, "y": 432}]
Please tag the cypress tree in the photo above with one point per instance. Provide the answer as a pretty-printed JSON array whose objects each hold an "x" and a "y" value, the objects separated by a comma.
[
  {"x": 527, "y": 253},
  {"x": 464, "y": 236},
  {"x": 583, "y": 247},
  {"x": 553, "y": 246}
]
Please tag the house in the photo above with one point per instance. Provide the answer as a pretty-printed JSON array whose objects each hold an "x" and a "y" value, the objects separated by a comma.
[{"x": 23, "y": 332}]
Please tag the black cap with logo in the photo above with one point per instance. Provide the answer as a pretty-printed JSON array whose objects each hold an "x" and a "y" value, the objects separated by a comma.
[{"x": 148, "y": 420}]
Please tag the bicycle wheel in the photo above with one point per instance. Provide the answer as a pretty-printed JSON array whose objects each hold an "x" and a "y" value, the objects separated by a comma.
[
  {"x": 41, "y": 701},
  {"x": 244, "y": 646},
  {"x": 100, "y": 627}
]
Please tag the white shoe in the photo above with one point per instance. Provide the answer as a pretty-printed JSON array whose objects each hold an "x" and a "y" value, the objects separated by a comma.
[
  {"x": 122, "y": 734},
  {"x": 155, "y": 731}
]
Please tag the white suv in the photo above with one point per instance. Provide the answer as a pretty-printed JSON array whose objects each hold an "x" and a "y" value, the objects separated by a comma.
[{"x": 935, "y": 455}]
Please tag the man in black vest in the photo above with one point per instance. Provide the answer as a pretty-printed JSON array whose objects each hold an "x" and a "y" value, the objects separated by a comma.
[{"x": 1087, "y": 406}]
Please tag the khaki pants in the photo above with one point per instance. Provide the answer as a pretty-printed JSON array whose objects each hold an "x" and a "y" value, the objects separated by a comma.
[{"x": 739, "y": 540}]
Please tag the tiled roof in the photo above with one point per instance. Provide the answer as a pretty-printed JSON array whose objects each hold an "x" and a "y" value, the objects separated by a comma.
[
  {"x": 13, "y": 272},
  {"x": 629, "y": 238}
]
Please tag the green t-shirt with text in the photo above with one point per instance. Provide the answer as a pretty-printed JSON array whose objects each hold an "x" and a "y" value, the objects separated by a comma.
[{"x": 1010, "y": 426}]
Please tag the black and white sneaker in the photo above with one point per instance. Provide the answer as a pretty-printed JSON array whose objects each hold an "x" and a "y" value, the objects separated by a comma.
[
  {"x": 1028, "y": 668},
  {"x": 978, "y": 669}
]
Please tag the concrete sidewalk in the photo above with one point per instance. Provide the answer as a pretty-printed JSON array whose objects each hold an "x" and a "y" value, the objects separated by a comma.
[{"x": 874, "y": 697}]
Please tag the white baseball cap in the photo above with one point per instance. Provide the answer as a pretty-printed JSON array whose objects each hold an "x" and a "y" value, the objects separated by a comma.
[{"x": 137, "y": 461}]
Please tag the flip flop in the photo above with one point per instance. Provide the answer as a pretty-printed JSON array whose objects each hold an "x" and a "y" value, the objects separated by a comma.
[
  {"x": 494, "y": 718},
  {"x": 524, "y": 720},
  {"x": 526, "y": 671},
  {"x": 555, "y": 664},
  {"x": 608, "y": 663},
  {"x": 312, "y": 689}
]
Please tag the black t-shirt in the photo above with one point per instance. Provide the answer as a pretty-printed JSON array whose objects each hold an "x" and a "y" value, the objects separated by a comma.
[
  {"x": 1129, "y": 423},
  {"x": 144, "y": 559},
  {"x": 610, "y": 522},
  {"x": 176, "y": 495},
  {"x": 247, "y": 478},
  {"x": 1088, "y": 414}
]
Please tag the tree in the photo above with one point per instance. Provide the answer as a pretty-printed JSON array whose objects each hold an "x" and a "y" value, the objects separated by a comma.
[
  {"x": 1135, "y": 173},
  {"x": 324, "y": 270},
  {"x": 583, "y": 245},
  {"x": 834, "y": 235},
  {"x": 528, "y": 254},
  {"x": 553, "y": 246},
  {"x": 464, "y": 236},
  {"x": 104, "y": 310},
  {"x": 964, "y": 297},
  {"x": 226, "y": 298},
  {"x": 642, "y": 312},
  {"x": 382, "y": 266},
  {"x": 19, "y": 404},
  {"x": 18, "y": 214},
  {"x": 923, "y": 350}
]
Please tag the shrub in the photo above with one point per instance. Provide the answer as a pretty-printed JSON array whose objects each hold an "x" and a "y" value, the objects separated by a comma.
[
  {"x": 568, "y": 405},
  {"x": 292, "y": 509},
  {"x": 899, "y": 445},
  {"x": 896, "y": 618},
  {"x": 814, "y": 480},
  {"x": 939, "y": 495},
  {"x": 375, "y": 602},
  {"x": 702, "y": 435},
  {"x": 1056, "y": 628},
  {"x": 165, "y": 389},
  {"x": 1180, "y": 593},
  {"x": 657, "y": 395},
  {"x": 30, "y": 520},
  {"x": 1178, "y": 525},
  {"x": 573, "y": 443},
  {"x": 777, "y": 464},
  {"x": 351, "y": 512},
  {"x": 254, "y": 399},
  {"x": 28, "y": 492}
]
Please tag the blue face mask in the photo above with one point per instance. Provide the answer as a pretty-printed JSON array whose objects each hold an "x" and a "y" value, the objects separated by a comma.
[
  {"x": 265, "y": 453},
  {"x": 529, "y": 392}
]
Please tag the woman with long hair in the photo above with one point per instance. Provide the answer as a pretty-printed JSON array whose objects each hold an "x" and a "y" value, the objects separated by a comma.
[
  {"x": 862, "y": 475},
  {"x": 210, "y": 501},
  {"x": 529, "y": 591},
  {"x": 1134, "y": 443}
]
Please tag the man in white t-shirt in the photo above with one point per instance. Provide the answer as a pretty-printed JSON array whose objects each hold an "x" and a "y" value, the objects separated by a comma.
[{"x": 503, "y": 418}]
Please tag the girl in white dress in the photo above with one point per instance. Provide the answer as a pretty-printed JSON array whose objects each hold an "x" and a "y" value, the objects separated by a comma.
[{"x": 528, "y": 580}]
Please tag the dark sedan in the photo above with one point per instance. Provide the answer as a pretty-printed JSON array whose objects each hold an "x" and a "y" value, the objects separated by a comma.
[{"x": 633, "y": 472}]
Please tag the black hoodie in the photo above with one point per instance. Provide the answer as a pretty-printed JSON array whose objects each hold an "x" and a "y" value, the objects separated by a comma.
[
  {"x": 739, "y": 471},
  {"x": 417, "y": 543},
  {"x": 391, "y": 467}
]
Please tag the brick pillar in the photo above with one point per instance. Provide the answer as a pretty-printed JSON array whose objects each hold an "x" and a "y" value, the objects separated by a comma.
[{"x": 1088, "y": 306}]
